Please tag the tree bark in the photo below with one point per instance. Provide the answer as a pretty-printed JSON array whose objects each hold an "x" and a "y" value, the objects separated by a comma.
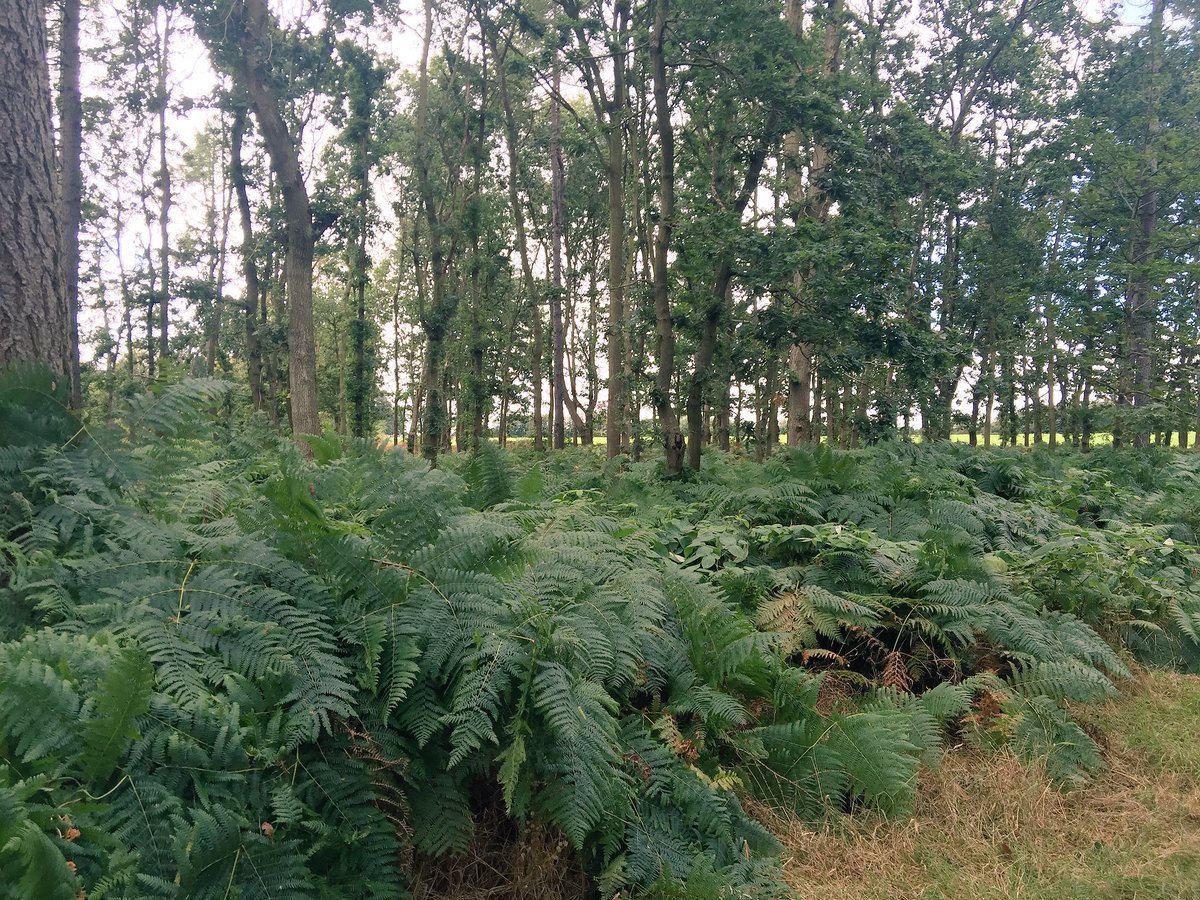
[
  {"x": 718, "y": 301},
  {"x": 34, "y": 314},
  {"x": 609, "y": 96},
  {"x": 812, "y": 202},
  {"x": 437, "y": 315},
  {"x": 618, "y": 386},
  {"x": 71, "y": 124},
  {"x": 163, "y": 40},
  {"x": 664, "y": 330},
  {"x": 237, "y": 174},
  {"x": 556, "y": 273},
  {"x": 522, "y": 241},
  {"x": 239, "y": 38},
  {"x": 1142, "y": 306}
]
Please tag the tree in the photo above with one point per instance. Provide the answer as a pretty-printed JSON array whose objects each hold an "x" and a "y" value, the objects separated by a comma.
[
  {"x": 71, "y": 118},
  {"x": 1141, "y": 306},
  {"x": 33, "y": 301},
  {"x": 240, "y": 35},
  {"x": 610, "y": 102},
  {"x": 673, "y": 446}
]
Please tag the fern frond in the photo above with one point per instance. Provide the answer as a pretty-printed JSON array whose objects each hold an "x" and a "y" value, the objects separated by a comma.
[{"x": 123, "y": 695}]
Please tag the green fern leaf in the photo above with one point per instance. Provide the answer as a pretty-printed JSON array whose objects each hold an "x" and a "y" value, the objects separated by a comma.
[{"x": 122, "y": 696}]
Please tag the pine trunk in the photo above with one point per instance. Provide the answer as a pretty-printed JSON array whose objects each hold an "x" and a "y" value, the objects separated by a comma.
[{"x": 33, "y": 299}]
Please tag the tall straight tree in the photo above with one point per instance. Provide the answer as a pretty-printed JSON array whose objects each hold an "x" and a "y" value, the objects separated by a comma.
[
  {"x": 237, "y": 175},
  {"x": 70, "y": 111},
  {"x": 1141, "y": 308},
  {"x": 556, "y": 253},
  {"x": 668, "y": 420},
  {"x": 810, "y": 201},
  {"x": 162, "y": 100},
  {"x": 33, "y": 297},
  {"x": 520, "y": 232},
  {"x": 240, "y": 36},
  {"x": 441, "y": 303},
  {"x": 609, "y": 95}
]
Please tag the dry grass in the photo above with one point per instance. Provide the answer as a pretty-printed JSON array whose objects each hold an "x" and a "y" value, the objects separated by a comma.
[
  {"x": 988, "y": 827},
  {"x": 534, "y": 864}
]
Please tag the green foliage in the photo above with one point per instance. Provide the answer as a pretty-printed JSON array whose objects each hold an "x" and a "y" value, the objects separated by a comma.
[{"x": 225, "y": 667}]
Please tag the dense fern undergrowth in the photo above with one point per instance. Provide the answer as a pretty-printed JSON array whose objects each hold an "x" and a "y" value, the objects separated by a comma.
[{"x": 227, "y": 670}]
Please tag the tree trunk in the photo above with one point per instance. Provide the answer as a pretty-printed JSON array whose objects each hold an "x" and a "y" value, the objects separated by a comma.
[
  {"x": 237, "y": 174},
  {"x": 664, "y": 329},
  {"x": 250, "y": 63},
  {"x": 556, "y": 273},
  {"x": 71, "y": 123},
  {"x": 522, "y": 241},
  {"x": 815, "y": 204},
  {"x": 397, "y": 424},
  {"x": 34, "y": 314},
  {"x": 439, "y": 313},
  {"x": 1142, "y": 306},
  {"x": 162, "y": 99},
  {"x": 362, "y": 383},
  {"x": 614, "y": 124}
]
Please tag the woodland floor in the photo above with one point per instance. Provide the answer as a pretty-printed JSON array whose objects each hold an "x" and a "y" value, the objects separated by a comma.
[{"x": 987, "y": 827}]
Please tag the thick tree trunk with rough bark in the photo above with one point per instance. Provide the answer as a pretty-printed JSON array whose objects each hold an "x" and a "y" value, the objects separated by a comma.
[{"x": 33, "y": 298}]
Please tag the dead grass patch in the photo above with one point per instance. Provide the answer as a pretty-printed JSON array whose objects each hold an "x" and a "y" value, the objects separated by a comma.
[
  {"x": 987, "y": 826},
  {"x": 534, "y": 863}
]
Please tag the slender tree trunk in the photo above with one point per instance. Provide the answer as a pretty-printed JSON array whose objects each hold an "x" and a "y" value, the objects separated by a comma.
[
  {"x": 815, "y": 203},
  {"x": 251, "y": 65},
  {"x": 522, "y": 241},
  {"x": 556, "y": 274},
  {"x": 71, "y": 123},
  {"x": 1052, "y": 335},
  {"x": 441, "y": 307},
  {"x": 212, "y": 327},
  {"x": 164, "y": 188},
  {"x": 34, "y": 314},
  {"x": 672, "y": 437},
  {"x": 397, "y": 425},
  {"x": 362, "y": 381},
  {"x": 990, "y": 368},
  {"x": 772, "y": 405},
  {"x": 340, "y": 412},
  {"x": 237, "y": 174},
  {"x": 618, "y": 386},
  {"x": 1142, "y": 306}
]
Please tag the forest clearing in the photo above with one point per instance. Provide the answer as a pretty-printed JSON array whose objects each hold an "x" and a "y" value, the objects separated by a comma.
[{"x": 599, "y": 449}]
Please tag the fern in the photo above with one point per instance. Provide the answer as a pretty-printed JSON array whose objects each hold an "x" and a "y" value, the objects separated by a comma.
[
  {"x": 281, "y": 674},
  {"x": 122, "y": 696},
  {"x": 1043, "y": 733},
  {"x": 33, "y": 864}
]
